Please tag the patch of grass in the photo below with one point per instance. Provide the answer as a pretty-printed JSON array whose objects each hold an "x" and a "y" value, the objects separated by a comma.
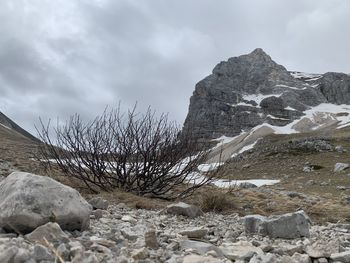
[{"x": 216, "y": 201}]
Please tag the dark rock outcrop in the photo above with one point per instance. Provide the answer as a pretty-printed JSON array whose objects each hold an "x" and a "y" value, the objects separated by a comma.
[{"x": 252, "y": 89}]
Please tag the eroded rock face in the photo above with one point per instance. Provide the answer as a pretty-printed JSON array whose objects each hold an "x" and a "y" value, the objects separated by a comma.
[
  {"x": 252, "y": 89},
  {"x": 28, "y": 201}
]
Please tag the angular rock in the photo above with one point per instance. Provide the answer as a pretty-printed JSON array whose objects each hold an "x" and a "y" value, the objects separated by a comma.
[
  {"x": 338, "y": 167},
  {"x": 322, "y": 260},
  {"x": 200, "y": 259},
  {"x": 200, "y": 247},
  {"x": 139, "y": 254},
  {"x": 264, "y": 258},
  {"x": 28, "y": 201},
  {"x": 288, "y": 226},
  {"x": 301, "y": 258},
  {"x": 50, "y": 231},
  {"x": 243, "y": 251},
  {"x": 85, "y": 257},
  {"x": 41, "y": 253},
  {"x": 14, "y": 254},
  {"x": 322, "y": 248},
  {"x": 99, "y": 203},
  {"x": 341, "y": 257},
  {"x": 194, "y": 233},
  {"x": 98, "y": 213},
  {"x": 151, "y": 239},
  {"x": 184, "y": 209}
]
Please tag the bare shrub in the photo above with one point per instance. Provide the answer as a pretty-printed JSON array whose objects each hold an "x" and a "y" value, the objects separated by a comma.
[{"x": 140, "y": 153}]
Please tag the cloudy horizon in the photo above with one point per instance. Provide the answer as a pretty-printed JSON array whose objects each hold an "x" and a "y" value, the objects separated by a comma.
[{"x": 63, "y": 57}]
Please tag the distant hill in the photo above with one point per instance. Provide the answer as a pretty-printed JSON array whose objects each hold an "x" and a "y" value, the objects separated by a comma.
[{"x": 7, "y": 123}]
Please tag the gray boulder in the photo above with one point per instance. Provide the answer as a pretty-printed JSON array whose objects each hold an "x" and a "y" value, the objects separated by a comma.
[
  {"x": 288, "y": 226},
  {"x": 184, "y": 209},
  {"x": 28, "y": 201}
]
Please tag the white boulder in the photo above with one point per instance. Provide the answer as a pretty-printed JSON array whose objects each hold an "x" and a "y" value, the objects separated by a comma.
[{"x": 28, "y": 201}]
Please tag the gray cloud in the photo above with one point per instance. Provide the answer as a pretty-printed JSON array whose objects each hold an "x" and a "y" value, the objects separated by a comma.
[{"x": 62, "y": 57}]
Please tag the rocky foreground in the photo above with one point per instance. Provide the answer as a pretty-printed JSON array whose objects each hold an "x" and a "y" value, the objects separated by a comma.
[{"x": 179, "y": 233}]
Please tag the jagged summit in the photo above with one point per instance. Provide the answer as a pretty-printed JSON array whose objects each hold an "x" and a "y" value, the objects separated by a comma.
[{"x": 251, "y": 90}]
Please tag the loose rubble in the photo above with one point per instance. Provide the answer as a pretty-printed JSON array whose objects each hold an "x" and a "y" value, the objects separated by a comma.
[
  {"x": 181, "y": 233},
  {"x": 157, "y": 237}
]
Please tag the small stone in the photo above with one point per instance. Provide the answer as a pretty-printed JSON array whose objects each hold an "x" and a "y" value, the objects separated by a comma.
[
  {"x": 240, "y": 251},
  {"x": 129, "y": 235},
  {"x": 41, "y": 253},
  {"x": 264, "y": 258},
  {"x": 139, "y": 254},
  {"x": 105, "y": 242},
  {"x": 184, "y": 209},
  {"x": 194, "y": 233},
  {"x": 322, "y": 260},
  {"x": 63, "y": 252},
  {"x": 50, "y": 231},
  {"x": 341, "y": 257},
  {"x": 322, "y": 248},
  {"x": 301, "y": 258},
  {"x": 340, "y": 149},
  {"x": 76, "y": 248},
  {"x": 128, "y": 218},
  {"x": 85, "y": 257},
  {"x": 99, "y": 203},
  {"x": 98, "y": 213},
  {"x": 200, "y": 247},
  {"x": 338, "y": 167},
  {"x": 22, "y": 256},
  {"x": 200, "y": 259},
  {"x": 100, "y": 249},
  {"x": 122, "y": 259},
  {"x": 308, "y": 169},
  {"x": 8, "y": 254},
  {"x": 151, "y": 239}
]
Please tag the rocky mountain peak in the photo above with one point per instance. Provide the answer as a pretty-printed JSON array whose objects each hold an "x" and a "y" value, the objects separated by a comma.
[
  {"x": 250, "y": 90},
  {"x": 259, "y": 54}
]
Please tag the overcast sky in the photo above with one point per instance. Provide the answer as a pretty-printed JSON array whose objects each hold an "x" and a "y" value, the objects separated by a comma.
[{"x": 60, "y": 57}]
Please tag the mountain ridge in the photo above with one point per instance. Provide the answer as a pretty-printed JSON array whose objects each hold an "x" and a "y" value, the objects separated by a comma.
[
  {"x": 251, "y": 90},
  {"x": 7, "y": 123}
]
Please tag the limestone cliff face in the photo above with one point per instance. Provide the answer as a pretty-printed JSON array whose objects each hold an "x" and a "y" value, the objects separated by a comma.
[{"x": 252, "y": 89}]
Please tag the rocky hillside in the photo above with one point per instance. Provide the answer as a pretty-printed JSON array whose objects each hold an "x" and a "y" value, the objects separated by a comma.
[
  {"x": 7, "y": 123},
  {"x": 252, "y": 90}
]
